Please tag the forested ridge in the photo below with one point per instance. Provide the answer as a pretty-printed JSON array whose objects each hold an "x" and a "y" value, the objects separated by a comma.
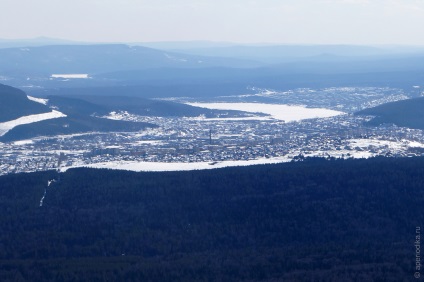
[
  {"x": 316, "y": 220},
  {"x": 404, "y": 113},
  {"x": 15, "y": 104}
]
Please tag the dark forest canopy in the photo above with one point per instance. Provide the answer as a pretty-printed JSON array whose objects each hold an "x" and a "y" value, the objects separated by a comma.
[{"x": 340, "y": 220}]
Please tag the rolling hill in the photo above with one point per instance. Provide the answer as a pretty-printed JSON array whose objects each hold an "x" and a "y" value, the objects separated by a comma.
[
  {"x": 14, "y": 103},
  {"x": 84, "y": 113},
  {"x": 89, "y": 59},
  {"x": 76, "y": 117},
  {"x": 279, "y": 67},
  {"x": 103, "y": 105},
  {"x": 405, "y": 113}
]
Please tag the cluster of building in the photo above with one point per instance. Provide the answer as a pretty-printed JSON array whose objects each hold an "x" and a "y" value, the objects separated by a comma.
[
  {"x": 185, "y": 140},
  {"x": 182, "y": 140}
]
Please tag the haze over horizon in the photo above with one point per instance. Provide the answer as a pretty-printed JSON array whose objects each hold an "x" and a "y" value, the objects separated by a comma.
[{"x": 358, "y": 22}]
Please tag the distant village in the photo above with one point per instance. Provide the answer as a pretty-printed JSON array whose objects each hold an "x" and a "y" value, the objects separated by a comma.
[
  {"x": 191, "y": 140},
  {"x": 179, "y": 140}
]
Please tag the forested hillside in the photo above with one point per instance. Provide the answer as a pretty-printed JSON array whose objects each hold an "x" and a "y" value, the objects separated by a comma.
[
  {"x": 15, "y": 104},
  {"x": 340, "y": 220},
  {"x": 407, "y": 113}
]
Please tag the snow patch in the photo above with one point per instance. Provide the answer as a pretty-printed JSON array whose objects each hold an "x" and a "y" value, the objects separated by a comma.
[
  {"x": 122, "y": 115},
  {"x": 45, "y": 191},
  {"x": 175, "y": 58},
  {"x": 392, "y": 145},
  {"x": 23, "y": 142},
  {"x": 8, "y": 125},
  {"x": 42, "y": 198},
  {"x": 38, "y": 100}
]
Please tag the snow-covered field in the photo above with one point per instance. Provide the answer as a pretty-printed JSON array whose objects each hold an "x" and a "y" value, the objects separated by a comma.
[
  {"x": 392, "y": 145},
  {"x": 178, "y": 166},
  {"x": 162, "y": 166},
  {"x": 366, "y": 148},
  {"x": 8, "y": 125},
  {"x": 23, "y": 142},
  {"x": 286, "y": 113}
]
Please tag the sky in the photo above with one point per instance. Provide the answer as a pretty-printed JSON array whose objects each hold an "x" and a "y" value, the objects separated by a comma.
[{"x": 361, "y": 22}]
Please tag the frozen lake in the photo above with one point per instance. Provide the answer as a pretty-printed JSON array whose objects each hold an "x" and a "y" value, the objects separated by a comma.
[{"x": 286, "y": 113}]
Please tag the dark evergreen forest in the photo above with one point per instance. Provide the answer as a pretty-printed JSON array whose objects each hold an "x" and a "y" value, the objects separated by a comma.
[{"x": 315, "y": 220}]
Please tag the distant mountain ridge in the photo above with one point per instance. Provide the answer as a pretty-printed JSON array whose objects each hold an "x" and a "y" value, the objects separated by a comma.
[
  {"x": 163, "y": 72},
  {"x": 62, "y": 59},
  {"x": 35, "y": 42},
  {"x": 280, "y": 53}
]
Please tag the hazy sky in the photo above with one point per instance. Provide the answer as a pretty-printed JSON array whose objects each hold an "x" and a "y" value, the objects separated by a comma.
[{"x": 244, "y": 21}]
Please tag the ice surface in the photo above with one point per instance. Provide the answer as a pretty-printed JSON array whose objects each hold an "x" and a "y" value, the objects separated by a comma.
[{"x": 286, "y": 113}]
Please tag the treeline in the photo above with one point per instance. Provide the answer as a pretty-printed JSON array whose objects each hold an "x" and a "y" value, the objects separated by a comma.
[{"x": 316, "y": 220}]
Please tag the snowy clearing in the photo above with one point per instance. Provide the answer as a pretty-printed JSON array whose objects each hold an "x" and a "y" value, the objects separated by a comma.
[
  {"x": 23, "y": 142},
  {"x": 8, "y": 125},
  {"x": 392, "y": 145},
  {"x": 286, "y": 113},
  {"x": 38, "y": 100},
  {"x": 178, "y": 166},
  {"x": 162, "y": 166},
  {"x": 363, "y": 150}
]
